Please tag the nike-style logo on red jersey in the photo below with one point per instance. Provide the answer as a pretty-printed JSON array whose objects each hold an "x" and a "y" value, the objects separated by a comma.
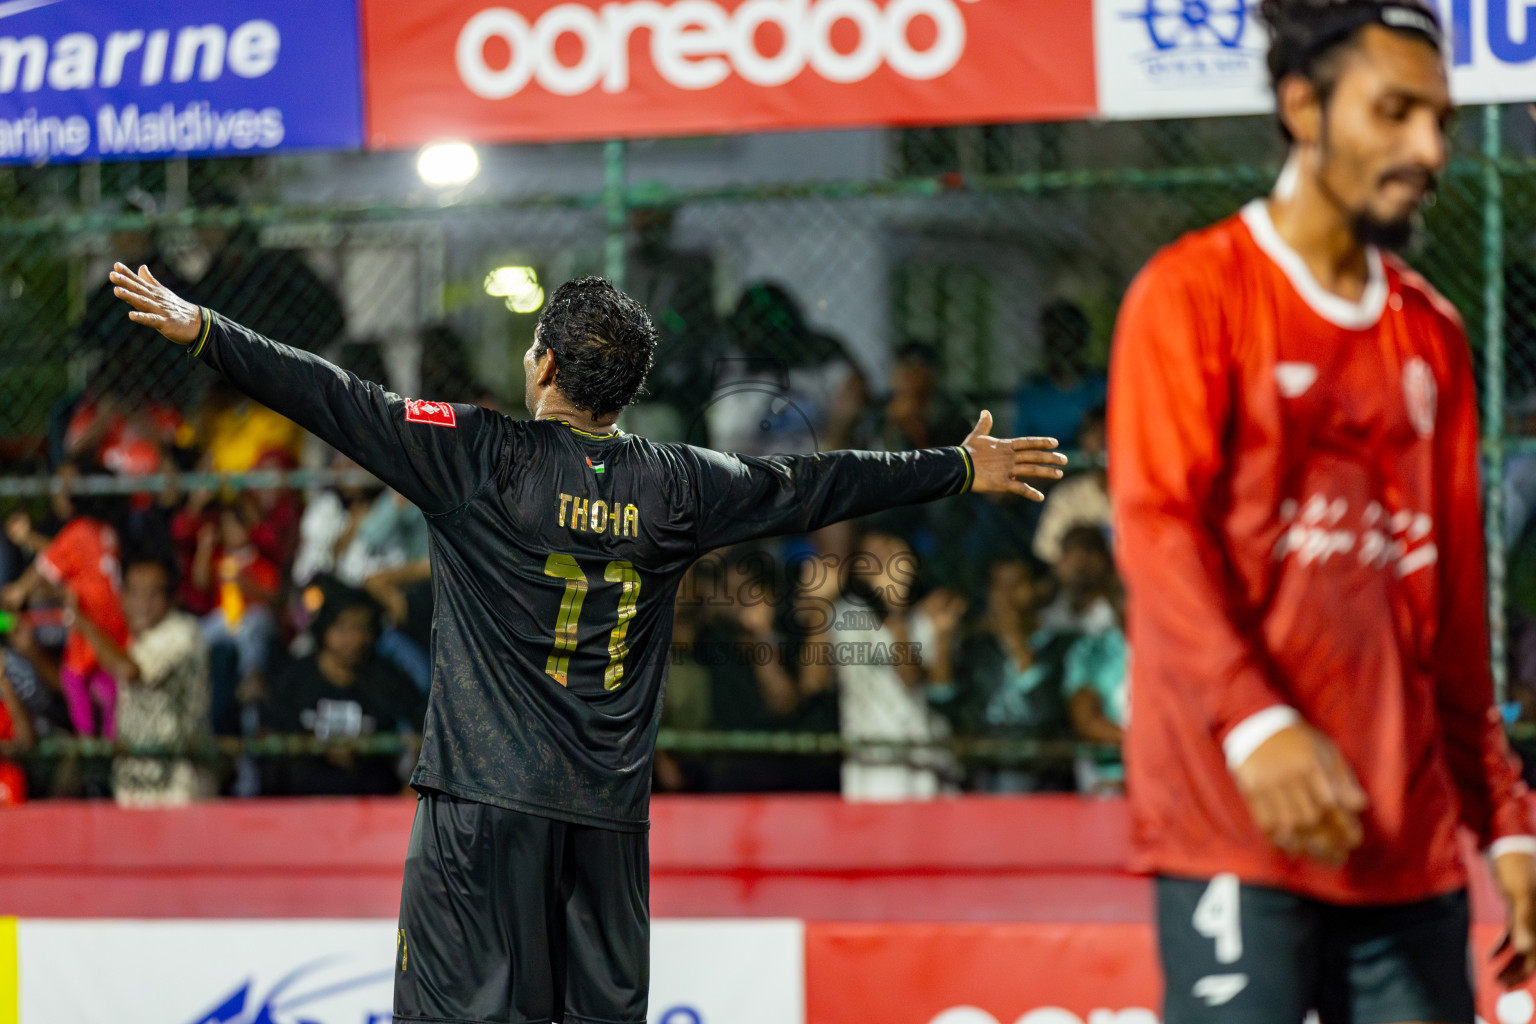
[{"x": 439, "y": 414}]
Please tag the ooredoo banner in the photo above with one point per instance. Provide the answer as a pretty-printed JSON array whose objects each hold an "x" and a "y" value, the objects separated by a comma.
[
  {"x": 1163, "y": 58},
  {"x": 537, "y": 69},
  {"x": 1069, "y": 973},
  {"x": 146, "y": 79}
]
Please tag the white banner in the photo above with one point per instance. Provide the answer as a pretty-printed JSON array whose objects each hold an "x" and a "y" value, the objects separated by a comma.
[
  {"x": 727, "y": 972},
  {"x": 1181, "y": 58},
  {"x": 341, "y": 972},
  {"x": 205, "y": 972}
]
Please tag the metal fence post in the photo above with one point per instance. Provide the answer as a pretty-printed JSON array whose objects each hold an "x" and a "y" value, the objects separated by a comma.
[
  {"x": 1493, "y": 391},
  {"x": 613, "y": 207}
]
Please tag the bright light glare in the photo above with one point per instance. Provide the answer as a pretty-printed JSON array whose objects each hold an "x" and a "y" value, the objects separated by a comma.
[
  {"x": 448, "y": 163},
  {"x": 519, "y": 286},
  {"x": 507, "y": 281},
  {"x": 527, "y": 303}
]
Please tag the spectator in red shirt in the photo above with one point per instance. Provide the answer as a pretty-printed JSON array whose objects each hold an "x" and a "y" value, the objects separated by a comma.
[{"x": 82, "y": 560}]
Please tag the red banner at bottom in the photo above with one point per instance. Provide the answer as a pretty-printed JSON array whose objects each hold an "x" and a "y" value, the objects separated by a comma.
[{"x": 1023, "y": 974}]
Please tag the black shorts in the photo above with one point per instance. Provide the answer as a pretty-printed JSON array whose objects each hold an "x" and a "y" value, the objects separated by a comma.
[
  {"x": 511, "y": 918},
  {"x": 1235, "y": 952}
]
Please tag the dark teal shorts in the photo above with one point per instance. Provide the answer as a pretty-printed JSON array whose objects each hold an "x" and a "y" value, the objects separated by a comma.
[
  {"x": 1233, "y": 952},
  {"x": 511, "y": 918}
]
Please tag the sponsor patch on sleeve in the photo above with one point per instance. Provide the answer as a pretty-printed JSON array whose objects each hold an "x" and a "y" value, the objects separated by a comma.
[{"x": 439, "y": 414}]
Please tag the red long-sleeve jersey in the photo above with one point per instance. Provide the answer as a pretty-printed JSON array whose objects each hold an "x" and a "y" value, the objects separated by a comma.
[{"x": 1296, "y": 492}]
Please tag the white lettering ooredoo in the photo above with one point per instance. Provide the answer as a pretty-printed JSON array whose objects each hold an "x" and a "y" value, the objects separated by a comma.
[{"x": 697, "y": 44}]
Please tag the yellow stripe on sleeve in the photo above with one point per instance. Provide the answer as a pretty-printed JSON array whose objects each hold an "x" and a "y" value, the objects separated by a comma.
[
  {"x": 970, "y": 469},
  {"x": 197, "y": 349}
]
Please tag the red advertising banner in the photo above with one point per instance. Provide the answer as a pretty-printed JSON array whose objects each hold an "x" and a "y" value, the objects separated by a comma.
[
  {"x": 542, "y": 70},
  {"x": 1077, "y": 973}
]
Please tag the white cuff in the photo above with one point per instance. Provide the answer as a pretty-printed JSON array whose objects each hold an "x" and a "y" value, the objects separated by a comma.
[
  {"x": 1512, "y": 844},
  {"x": 1249, "y": 734}
]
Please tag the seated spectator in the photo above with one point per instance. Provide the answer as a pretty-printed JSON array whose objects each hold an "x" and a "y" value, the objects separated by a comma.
[
  {"x": 1085, "y": 578},
  {"x": 1081, "y": 498},
  {"x": 917, "y": 414},
  {"x": 241, "y": 627},
  {"x": 751, "y": 681},
  {"x": 329, "y": 522},
  {"x": 1008, "y": 675},
  {"x": 785, "y": 388},
  {"x": 872, "y": 643},
  {"x": 163, "y": 689},
  {"x": 15, "y": 729},
  {"x": 377, "y": 544},
  {"x": 82, "y": 561},
  {"x": 272, "y": 513},
  {"x": 392, "y": 534},
  {"x": 1098, "y": 697},
  {"x": 35, "y": 676},
  {"x": 1052, "y": 402},
  {"x": 235, "y": 432},
  {"x": 124, "y": 436},
  {"x": 342, "y": 691}
]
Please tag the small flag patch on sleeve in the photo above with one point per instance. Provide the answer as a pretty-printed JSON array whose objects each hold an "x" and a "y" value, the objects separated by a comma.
[{"x": 439, "y": 414}]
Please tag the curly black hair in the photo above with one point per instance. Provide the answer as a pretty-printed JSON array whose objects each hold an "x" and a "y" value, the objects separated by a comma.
[
  {"x": 1308, "y": 36},
  {"x": 604, "y": 344}
]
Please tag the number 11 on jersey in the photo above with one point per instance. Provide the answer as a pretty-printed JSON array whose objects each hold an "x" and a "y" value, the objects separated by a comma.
[{"x": 565, "y": 567}]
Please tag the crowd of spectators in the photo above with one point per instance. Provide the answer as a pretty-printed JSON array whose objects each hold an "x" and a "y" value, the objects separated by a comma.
[{"x": 163, "y": 620}]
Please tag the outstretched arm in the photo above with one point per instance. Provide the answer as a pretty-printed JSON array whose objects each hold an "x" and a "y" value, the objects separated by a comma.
[
  {"x": 742, "y": 497},
  {"x": 436, "y": 454}
]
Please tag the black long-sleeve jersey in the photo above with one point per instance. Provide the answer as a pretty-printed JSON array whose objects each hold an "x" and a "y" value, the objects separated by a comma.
[{"x": 556, "y": 557}]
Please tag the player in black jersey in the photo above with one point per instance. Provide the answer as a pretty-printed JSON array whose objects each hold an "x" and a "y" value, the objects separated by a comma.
[{"x": 557, "y": 547}]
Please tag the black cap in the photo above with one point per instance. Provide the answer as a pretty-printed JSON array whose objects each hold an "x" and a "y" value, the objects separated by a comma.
[{"x": 1332, "y": 22}]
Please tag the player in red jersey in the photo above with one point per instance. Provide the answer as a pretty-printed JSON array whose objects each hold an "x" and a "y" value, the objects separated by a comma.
[{"x": 1294, "y": 467}]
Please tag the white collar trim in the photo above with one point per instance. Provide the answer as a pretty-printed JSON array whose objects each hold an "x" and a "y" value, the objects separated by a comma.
[{"x": 1354, "y": 316}]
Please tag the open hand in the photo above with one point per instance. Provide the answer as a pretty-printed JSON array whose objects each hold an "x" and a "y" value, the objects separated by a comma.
[
  {"x": 155, "y": 305},
  {"x": 1002, "y": 463}
]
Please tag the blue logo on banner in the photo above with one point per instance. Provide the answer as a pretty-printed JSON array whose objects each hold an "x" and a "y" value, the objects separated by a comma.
[
  {"x": 281, "y": 1006},
  {"x": 147, "y": 79},
  {"x": 1175, "y": 23},
  {"x": 1196, "y": 41}
]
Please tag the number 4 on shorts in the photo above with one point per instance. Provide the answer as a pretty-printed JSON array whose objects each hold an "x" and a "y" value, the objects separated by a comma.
[{"x": 1218, "y": 916}]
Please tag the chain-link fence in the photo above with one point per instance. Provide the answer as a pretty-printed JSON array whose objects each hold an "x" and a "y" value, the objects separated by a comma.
[{"x": 855, "y": 288}]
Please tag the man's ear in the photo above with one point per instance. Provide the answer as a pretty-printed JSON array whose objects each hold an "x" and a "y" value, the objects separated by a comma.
[
  {"x": 1300, "y": 109},
  {"x": 544, "y": 373}
]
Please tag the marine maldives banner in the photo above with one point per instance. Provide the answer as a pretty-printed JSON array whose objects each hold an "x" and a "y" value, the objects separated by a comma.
[
  {"x": 343, "y": 972},
  {"x": 1162, "y": 58},
  {"x": 140, "y": 79},
  {"x": 538, "y": 69}
]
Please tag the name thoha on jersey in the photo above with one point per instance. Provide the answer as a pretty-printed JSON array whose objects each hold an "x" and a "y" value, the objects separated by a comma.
[{"x": 598, "y": 516}]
